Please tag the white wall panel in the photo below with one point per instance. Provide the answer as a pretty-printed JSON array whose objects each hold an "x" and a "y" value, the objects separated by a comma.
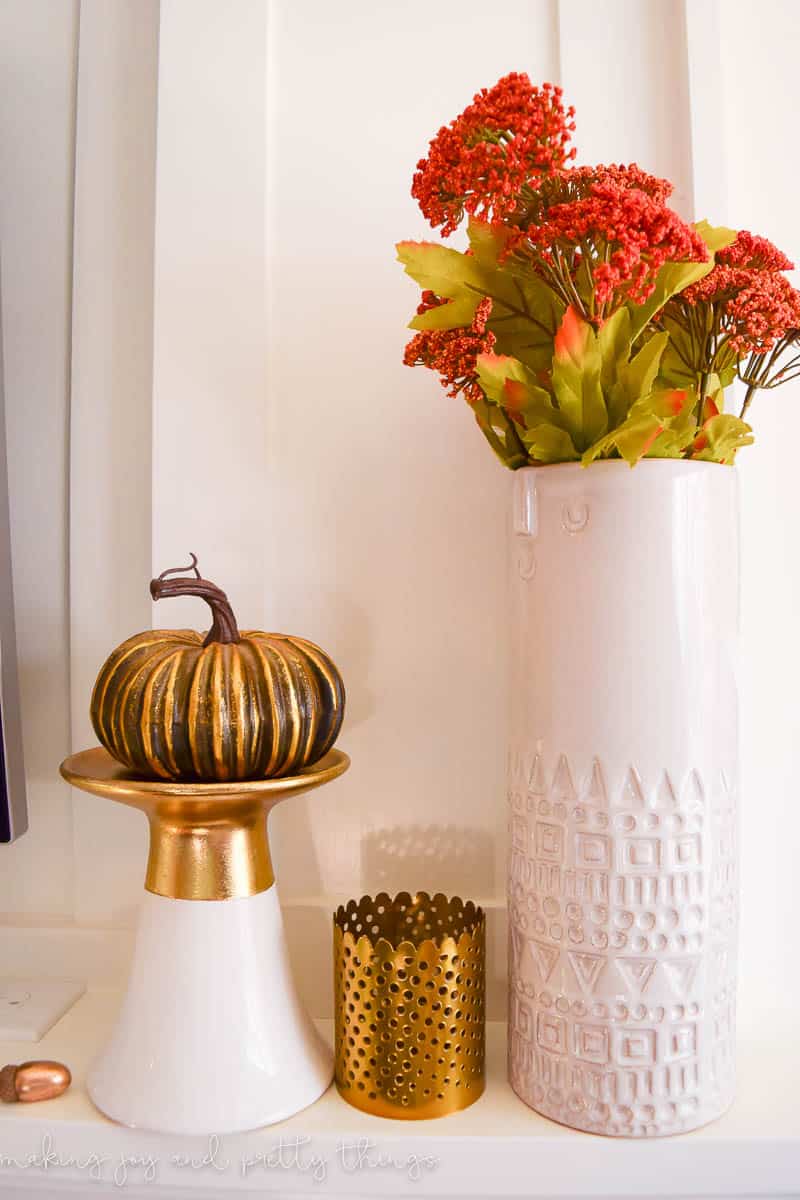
[
  {"x": 238, "y": 391},
  {"x": 37, "y": 128},
  {"x": 111, "y": 434},
  {"x": 703, "y": 21},
  {"x": 209, "y": 373},
  {"x": 387, "y": 509},
  {"x": 624, "y": 67},
  {"x": 757, "y": 126}
]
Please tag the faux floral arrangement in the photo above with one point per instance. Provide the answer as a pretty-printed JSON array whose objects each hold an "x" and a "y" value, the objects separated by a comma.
[{"x": 586, "y": 319}]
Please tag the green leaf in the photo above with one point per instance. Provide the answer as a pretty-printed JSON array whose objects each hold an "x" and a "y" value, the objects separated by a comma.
[
  {"x": 525, "y": 315},
  {"x": 636, "y": 378},
  {"x": 680, "y": 428},
  {"x": 488, "y": 242},
  {"x": 455, "y": 314},
  {"x": 525, "y": 311},
  {"x": 641, "y": 371},
  {"x": 650, "y": 418},
  {"x": 672, "y": 278},
  {"x": 624, "y": 381},
  {"x": 509, "y": 383},
  {"x": 494, "y": 370},
  {"x": 511, "y": 386},
  {"x": 576, "y": 380},
  {"x": 716, "y": 237},
  {"x": 632, "y": 439},
  {"x": 500, "y": 433},
  {"x": 721, "y": 437},
  {"x": 614, "y": 343},
  {"x": 549, "y": 444},
  {"x": 440, "y": 268},
  {"x": 675, "y": 369},
  {"x": 448, "y": 273}
]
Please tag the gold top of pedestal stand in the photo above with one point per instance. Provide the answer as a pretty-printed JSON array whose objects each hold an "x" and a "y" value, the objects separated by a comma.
[{"x": 208, "y": 841}]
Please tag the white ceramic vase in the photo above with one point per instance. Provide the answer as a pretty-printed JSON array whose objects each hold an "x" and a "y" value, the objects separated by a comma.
[{"x": 622, "y": 888}]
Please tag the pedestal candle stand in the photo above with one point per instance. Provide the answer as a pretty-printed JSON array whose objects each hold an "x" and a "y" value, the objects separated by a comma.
[{"x": 211, "y": 1036}]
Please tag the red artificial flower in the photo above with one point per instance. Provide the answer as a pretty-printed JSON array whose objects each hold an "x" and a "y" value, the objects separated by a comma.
[
  {"x": 721, "y": 283},
  {"x": 453, "y": 352},
  {"x": 571, "y": 184},
  {"x": 736, "y": 268},
  {"x": 763, "y": 313},
  {"x": 429, "y": 300},
  {"x": 612, "y": 223},
  {"x": 754, "y": 253},
  {"x": 509, "y": 135},
  {"x": 629, "y": 175},
  {"x": 757, "y": 306}
]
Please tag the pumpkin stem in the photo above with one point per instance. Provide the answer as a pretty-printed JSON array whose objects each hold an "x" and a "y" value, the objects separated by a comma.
[{"x": 223, "y": 628}]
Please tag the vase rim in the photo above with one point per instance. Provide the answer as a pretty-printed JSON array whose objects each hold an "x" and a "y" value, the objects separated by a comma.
[{"x": 675, "y": 465}]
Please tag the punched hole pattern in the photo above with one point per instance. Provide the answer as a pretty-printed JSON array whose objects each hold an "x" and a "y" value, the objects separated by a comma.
[{"x": 410, "y": 1002}]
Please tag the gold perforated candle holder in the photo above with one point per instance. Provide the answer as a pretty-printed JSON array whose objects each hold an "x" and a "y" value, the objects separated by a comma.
[{"x": 410, "y": 994}]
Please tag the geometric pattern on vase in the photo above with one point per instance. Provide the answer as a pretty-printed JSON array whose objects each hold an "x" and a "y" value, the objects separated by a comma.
[{"x": 623, "y": 922}]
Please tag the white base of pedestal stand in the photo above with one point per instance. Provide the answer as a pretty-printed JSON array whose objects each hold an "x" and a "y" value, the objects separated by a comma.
[{"x": 211, "y": 1037}]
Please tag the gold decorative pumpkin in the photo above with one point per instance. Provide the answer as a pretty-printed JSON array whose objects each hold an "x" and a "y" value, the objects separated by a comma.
[{"x": 173, "y": 704}]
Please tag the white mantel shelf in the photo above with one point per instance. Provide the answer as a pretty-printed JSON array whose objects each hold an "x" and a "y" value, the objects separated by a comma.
[{"x": 496, "y": 1148}]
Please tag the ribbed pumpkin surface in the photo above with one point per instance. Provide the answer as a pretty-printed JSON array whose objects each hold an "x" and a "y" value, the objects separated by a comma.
[{"x": 166, "y": 705}]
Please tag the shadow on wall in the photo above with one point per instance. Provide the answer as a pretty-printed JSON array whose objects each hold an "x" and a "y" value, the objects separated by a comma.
[
  {"x": 294, "y": 828},
  {"x": 434, "y": 858},
  {"x": 354, "y": 654}
]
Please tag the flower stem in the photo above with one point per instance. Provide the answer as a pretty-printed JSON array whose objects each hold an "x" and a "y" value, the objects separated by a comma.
[
  {"x": 747, "y": 398},
  {"x": 701, "y": 397}
]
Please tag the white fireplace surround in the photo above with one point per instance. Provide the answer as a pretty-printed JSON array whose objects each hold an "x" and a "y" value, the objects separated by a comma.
[{"x": 203, "y": 326}]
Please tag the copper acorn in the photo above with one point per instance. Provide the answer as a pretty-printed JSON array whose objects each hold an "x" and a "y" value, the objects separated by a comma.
[
  {"x": 174, "y": 704},
  {"x": 32, "y": 1081}
]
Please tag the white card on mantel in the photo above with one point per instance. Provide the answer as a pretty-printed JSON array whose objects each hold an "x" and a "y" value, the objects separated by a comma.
[{"x": 30, "y": 1007}]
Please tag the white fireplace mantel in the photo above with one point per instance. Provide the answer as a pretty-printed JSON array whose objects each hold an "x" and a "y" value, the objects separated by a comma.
[{"x": 497, "y": 1148}]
